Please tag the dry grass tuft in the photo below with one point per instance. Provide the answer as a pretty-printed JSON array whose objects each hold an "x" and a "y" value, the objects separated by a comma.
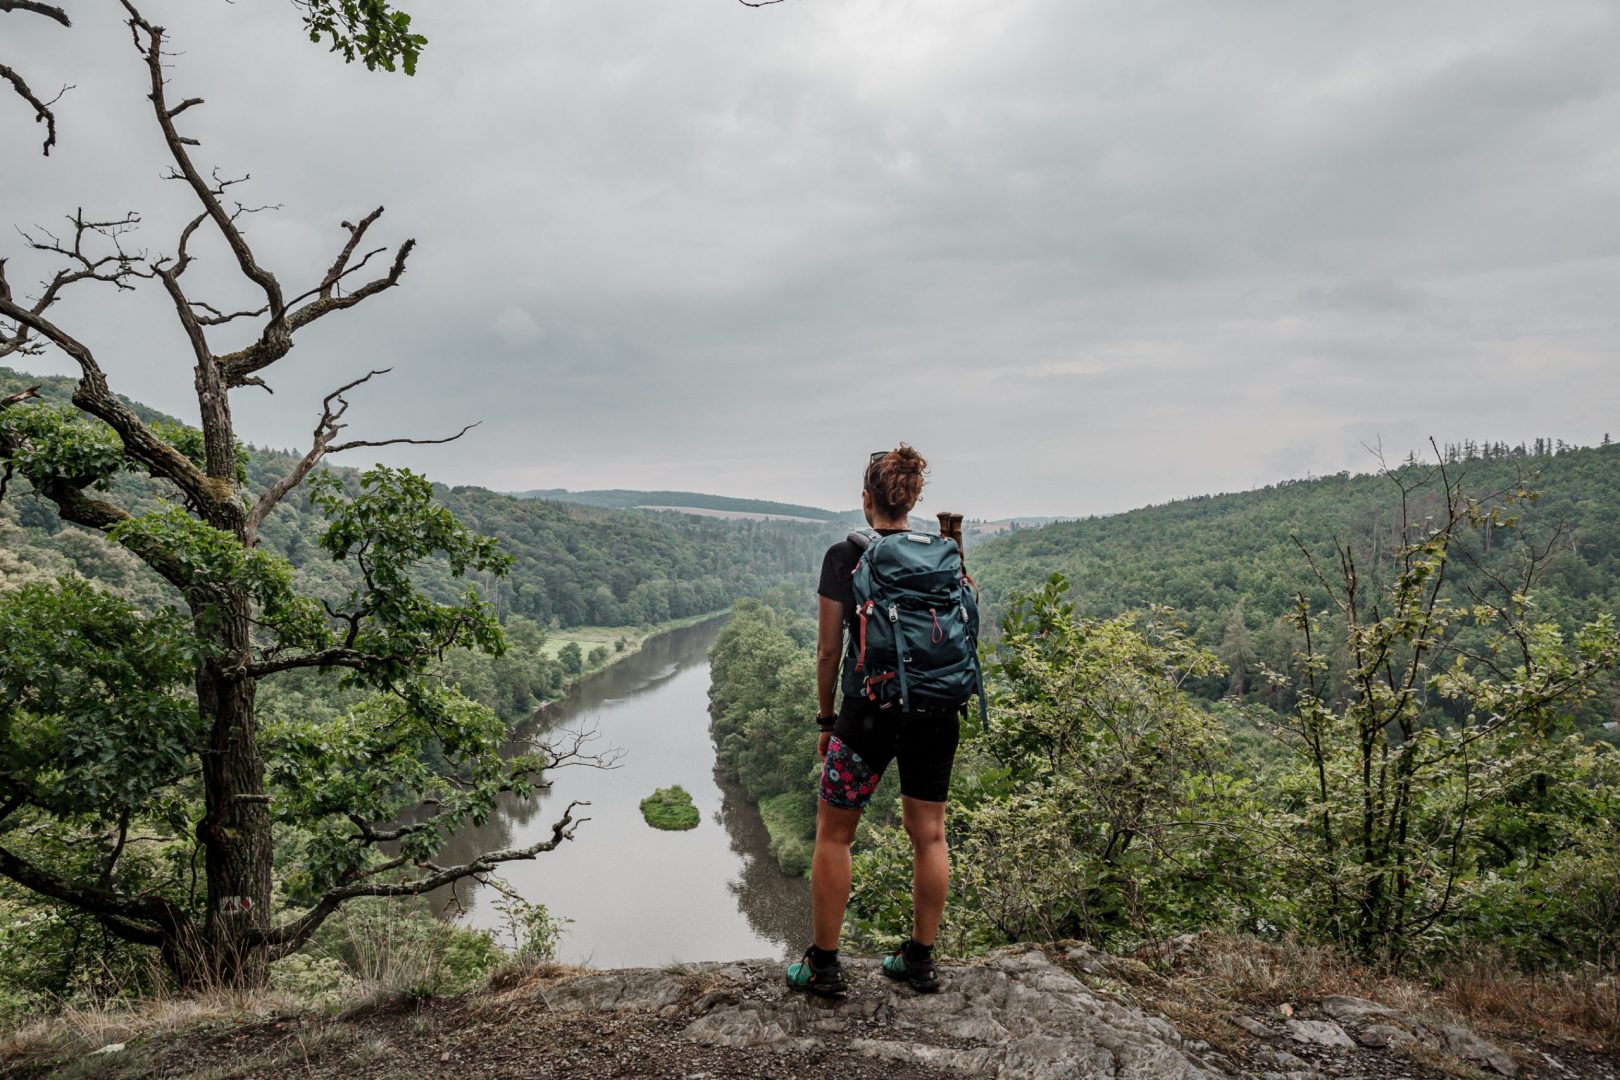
[
  {"x": 79, "y": 1030},
  {"x": 1581, "y": 1006},
  {"x": 1226, "y": 973},
  {"x": 1250, "y": 970},
  {"x": 518, "y": 974}
]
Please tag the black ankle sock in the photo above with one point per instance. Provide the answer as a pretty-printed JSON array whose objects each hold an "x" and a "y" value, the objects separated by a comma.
[
  {"x": 917, "y": 951},
  {"x": 820, "y": 957}
]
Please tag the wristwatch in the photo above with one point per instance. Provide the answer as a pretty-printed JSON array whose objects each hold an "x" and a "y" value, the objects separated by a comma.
[{"x": 825, "y": 723}]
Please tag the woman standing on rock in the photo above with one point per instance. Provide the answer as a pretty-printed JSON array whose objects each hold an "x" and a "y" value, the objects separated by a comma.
[{"x": 904, "y": 711}]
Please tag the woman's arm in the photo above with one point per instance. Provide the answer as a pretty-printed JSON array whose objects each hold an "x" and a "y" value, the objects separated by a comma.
[{"x": 829, "y": 649}]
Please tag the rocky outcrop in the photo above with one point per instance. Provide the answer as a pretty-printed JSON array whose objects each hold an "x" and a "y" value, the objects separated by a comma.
[
  {"x": 1061, "y": 1013},
  {"x": 1352, "y": 1023},
  {"x": 1381, "y": 1026},
  {"x": 1020, "y": 1013},
  {"x": 1016, "y": 1014}
]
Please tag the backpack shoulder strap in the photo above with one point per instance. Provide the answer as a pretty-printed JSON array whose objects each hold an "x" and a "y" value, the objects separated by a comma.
[{"x": 862, "y": 538}]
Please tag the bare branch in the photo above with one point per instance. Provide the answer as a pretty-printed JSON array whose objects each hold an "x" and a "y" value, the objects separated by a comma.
[
  {"x": 42, "y": 109},
  {"x": 325, "y": 431},
  {"x": 290, "y": 936},
  {"x": 356, "y": 233},
  {"x": 563, "y": 753},
  {"x": 208, "y": 195},
  {"x": 100, "y": 902},
  {"x": 19, "y": 396},
  {"x": 275, "y": 339},
  {"x": 115, "y": 268},
  {"x": 182, "y": 258},
  {"x": 325, "y": 287},
  {"x": 358, "y": 443},
  {"x": 326, "y": 658},
  {"x": 241, "y": 364},
  {"x": 50, "y": 11},
  {"x": 215, "y": 317}
]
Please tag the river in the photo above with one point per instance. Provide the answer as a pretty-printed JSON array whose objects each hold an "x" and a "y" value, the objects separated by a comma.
[{"x": 637, "y": 896}]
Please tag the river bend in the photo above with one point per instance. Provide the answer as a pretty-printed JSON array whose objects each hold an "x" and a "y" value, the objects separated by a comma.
[{"x": 637, "y": 896}]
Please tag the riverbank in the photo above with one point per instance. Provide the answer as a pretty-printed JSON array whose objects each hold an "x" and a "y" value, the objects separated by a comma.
[{"x": 609, "y": 638}]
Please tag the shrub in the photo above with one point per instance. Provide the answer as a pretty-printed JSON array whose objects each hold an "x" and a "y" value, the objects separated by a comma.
[
  {"x": 790, "y": 818},
  {"x": 395, "y": 947},
  {"x": 571, "y": 658}
]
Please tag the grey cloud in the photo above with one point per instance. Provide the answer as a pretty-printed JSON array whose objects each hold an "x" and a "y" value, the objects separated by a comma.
[{"x": 1085, "y": 255}]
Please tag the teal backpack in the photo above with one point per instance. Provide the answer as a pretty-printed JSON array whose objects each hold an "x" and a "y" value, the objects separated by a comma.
[{"x": 915, "y": 643}]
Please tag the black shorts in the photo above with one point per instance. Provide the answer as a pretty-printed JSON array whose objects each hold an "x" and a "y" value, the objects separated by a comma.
[{"x": 862, "y": 748}]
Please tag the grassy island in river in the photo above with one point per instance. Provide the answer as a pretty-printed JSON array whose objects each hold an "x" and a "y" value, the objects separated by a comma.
[{"x": 670, "y": 808}]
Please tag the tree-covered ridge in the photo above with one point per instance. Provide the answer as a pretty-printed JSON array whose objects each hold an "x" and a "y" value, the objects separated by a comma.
[
  {"x": 572, "y": 565},
  {"x": 1229, "y": 564},
  {"x": 625, "y": 499}
]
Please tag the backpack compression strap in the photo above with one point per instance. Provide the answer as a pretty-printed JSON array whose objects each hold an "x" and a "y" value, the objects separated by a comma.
[
  {"x": 900, "y": 658},
  {"x": 984, "y": 712}
]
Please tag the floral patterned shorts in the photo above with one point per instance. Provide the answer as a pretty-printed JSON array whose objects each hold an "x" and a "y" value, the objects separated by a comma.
[
  {"x": 924, "y": 747},
  {"x": 847, "y": 782}
]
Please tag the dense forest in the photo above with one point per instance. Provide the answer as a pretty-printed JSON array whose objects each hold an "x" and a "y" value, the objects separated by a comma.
[
  {"x": 1233, "y": 567},
  {"x": 1404, "y": 760},
  {"x": 573, "y": 565}
]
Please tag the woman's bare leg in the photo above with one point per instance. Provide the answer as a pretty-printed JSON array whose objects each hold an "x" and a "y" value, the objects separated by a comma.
[
  {"x": 829, "y": 872},
  {"x": 931, "y": 866}
]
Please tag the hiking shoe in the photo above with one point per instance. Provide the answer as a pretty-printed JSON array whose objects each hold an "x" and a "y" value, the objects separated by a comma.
[
  {"x": 904, "y": 966},
  {"x": 825, "y": 981}
]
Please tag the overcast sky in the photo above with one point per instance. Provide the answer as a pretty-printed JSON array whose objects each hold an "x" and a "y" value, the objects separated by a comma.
[{"x": 1085, "y": 256}]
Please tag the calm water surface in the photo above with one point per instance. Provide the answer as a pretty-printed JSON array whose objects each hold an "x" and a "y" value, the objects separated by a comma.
[{"x": 638, "y": 896}]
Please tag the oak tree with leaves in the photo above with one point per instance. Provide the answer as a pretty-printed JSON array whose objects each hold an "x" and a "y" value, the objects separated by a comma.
[{"x": 137, "y": 784}]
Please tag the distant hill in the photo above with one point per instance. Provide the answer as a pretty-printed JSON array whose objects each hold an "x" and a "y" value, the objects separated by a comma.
[
  {"x": 987, "y": 530},
  {"x": 625, "y": 499}
]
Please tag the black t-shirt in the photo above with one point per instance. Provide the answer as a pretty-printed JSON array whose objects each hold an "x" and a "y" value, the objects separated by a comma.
[{"x": 837, "y": 566}]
